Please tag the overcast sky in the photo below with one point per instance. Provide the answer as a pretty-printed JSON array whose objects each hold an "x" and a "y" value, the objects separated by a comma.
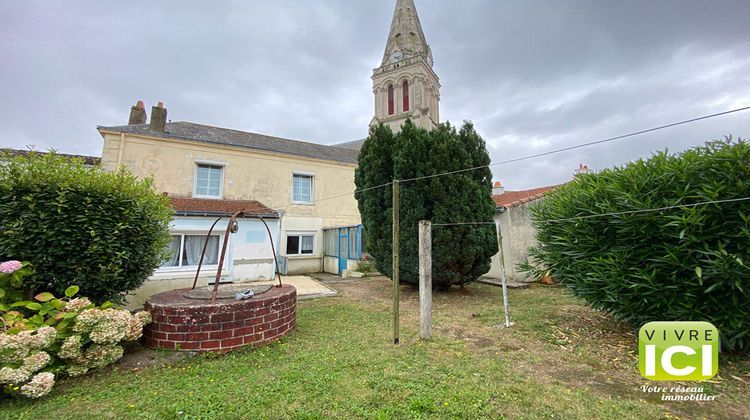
[{"x": 532, "y": 75}]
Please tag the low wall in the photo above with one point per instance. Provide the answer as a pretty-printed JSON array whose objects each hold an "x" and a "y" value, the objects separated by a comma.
[
  {"x": 331, "y": 265},
  {"x": 197, "y": 325},
  {"x": 302, "y": 264}
]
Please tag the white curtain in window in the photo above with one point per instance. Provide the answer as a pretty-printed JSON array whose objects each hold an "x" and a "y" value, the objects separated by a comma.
[
  {"x": 212, "y": 250},
  {"x": 194, "y": 246},
  {"x": 174, "y": 252},
  {"x": 307, "y": 245}
]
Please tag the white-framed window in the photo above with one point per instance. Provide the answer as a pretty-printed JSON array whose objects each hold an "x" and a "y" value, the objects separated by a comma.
[
  {"x": 209, "y": 180},
  {"x": 185, "y": 251},
  {"x": 302, "y": 188},
  {"x": 300, "y": 244}
]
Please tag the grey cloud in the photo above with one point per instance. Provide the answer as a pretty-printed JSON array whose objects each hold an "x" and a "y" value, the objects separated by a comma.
[{"x": 533, "y": 75}]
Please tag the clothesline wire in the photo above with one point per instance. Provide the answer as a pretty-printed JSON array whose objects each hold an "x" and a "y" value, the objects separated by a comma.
[
  {"x": 618, "y": 213},
  {"x": 533, "y": 156},
  {"x": 579, "y": 146}
]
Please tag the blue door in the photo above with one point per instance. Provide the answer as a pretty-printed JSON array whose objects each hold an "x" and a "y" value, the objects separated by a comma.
[{"x": 343, "y": 249}]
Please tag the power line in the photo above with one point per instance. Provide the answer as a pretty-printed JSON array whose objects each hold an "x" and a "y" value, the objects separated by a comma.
[
  {"x": 337, "y": 196},
  {"x": 519, "y": 159},
  {"x": 579, "y": 146},
  {"x": 462, "y": 223},
  {"x": 618, "y": 213}
]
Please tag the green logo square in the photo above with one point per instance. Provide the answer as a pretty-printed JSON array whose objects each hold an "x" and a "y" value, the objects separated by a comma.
[{"x": 678, "y": 351}]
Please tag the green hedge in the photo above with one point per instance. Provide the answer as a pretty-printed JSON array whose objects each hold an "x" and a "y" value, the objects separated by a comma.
[
  {"x": 106, "y": 232},
  {"x": 690, "y": 263}
]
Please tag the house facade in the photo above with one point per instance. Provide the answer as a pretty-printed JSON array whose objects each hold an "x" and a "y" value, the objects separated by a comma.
[
  {"x": 518, "y": 233},
  {"x": 196, "y": 161}
]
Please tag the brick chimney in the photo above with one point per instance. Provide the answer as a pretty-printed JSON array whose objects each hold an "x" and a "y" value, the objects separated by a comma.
[
  {"x": 137, "y": 114},
  {"x": 158, "y": 118},
  {"x": 498, "y": 188}
]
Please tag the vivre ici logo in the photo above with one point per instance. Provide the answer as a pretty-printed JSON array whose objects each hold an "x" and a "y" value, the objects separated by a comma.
[{"x": 672, "y": 351}]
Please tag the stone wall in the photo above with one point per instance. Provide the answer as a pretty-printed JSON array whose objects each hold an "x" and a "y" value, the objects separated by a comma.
[
  {"x": 522, "y": 236},
  {"x": 518, "y": 236}
]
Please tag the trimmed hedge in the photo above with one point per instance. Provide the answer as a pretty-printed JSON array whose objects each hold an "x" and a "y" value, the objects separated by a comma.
[
  {"x": 689, "y": 263},
  {"x": 105, "y": 232}
]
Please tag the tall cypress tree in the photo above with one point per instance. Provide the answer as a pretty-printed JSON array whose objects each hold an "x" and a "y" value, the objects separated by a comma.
[
  {"x": 460, "y": 253},
  {"x": 375, "y": 169}
]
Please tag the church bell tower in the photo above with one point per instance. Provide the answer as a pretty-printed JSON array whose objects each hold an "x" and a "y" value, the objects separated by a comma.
[{"x": 405, "y": 86}]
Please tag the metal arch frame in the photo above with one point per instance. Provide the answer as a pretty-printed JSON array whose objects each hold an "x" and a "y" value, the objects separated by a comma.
[{"x": 230, "y": 225}]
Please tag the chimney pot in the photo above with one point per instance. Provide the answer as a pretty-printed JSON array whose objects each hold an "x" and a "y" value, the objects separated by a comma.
[
  {"x": 498, "y": 188},
  {"x": 137, "y": 114},
  {"x": 158, "y": 118}
]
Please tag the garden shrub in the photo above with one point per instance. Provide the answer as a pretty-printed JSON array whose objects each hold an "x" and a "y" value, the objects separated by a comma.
[
  {"x": 50, "y": 337},
  {"x": 365, "y": 266},
  {"x": 460, "y": 254},
  {"x": 683, "y": 264},
  {"x": 106, "y": 232}
]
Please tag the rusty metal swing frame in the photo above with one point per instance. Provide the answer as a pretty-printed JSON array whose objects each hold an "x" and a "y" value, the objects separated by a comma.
[{"x": 231, "y": 228}]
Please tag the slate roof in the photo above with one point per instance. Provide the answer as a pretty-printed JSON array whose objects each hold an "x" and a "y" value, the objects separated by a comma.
[
  {"x": 351, "y": 145},
  {"x": 215, "y": 135},
  {"x": 87, "y": 160},
  {"x": 515, "y": 198},
  {"x": 203, "y": 207}
]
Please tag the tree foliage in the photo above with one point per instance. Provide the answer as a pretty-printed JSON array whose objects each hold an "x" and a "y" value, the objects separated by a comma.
[
  {"x": 460, "y": 253},
  {"x": 681, "y": 264},
  {"x": 105, "y": 232}
]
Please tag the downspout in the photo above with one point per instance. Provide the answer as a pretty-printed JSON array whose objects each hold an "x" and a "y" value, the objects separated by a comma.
[{"x": 278, "y": 244}]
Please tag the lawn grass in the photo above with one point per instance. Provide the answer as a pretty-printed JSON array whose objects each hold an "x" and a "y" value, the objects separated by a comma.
[{"x": 560, "y": 360}]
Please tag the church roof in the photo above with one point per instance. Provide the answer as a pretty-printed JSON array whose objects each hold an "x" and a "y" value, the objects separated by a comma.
[
  {"x": 406, "y": 33},
  {"x": 224, "y": 136}
]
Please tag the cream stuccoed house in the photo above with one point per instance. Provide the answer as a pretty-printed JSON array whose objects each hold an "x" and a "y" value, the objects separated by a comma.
[{"x": 210, "y": 171}]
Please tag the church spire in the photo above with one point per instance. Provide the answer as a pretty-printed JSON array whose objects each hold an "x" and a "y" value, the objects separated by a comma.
[
  {"x": 406, "y": 38},
  {"x": 405, "y": 85}
]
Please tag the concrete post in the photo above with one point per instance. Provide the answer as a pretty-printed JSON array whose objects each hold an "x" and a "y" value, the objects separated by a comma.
[
  {"x": 502, "y": 274},
  {"x": 425, "y": 279},
  {"x": 395, "y": 275}
]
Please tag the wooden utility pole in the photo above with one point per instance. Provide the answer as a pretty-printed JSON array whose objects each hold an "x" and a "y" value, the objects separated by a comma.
[
  {"x": 425, "y": 279},
  {"x": 395, "y": 260},
  {"x": 502, "y": 273}
]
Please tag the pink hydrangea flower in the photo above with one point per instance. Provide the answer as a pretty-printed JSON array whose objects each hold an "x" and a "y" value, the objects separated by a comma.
[{"x": 10, "y": 266}]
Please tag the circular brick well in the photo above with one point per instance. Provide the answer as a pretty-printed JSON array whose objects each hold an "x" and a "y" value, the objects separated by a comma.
[{"x": 181, "y": 323}]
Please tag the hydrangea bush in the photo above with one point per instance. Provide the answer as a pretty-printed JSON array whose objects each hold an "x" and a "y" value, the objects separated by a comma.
[{"x": 50, "y": 337}]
